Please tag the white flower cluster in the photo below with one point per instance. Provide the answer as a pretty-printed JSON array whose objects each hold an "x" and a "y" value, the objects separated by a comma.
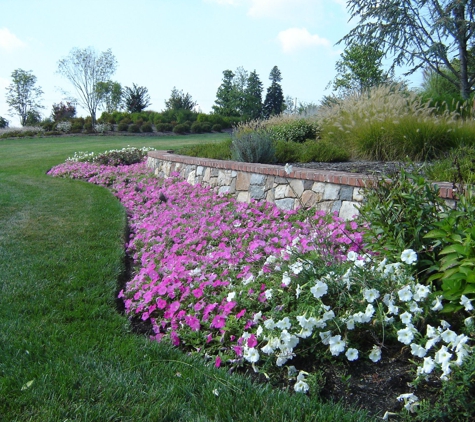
[
  {"x": 102, "y": 127},
  {"x": 64, "y": 126}
]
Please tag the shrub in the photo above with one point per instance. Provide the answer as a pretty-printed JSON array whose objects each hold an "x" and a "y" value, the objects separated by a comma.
[
  {"x": 3, "y": 123},
  {"x": 217, "y": 128},
  {"x": 206, "y": 127},
  {"x": 216, "y": 151},
  {"x": 146, "y": 127},
  {"x": 122, "y": 127},
  {"x": 77, "y": 127},
  {"x": 47, "y": 124},
  {"x": 180, "y": 129},
  {"x": 164, "y": 127},
  {"x": 102, "y": 127},
  {"x": 253, "y": 144},
  {"x": 390, "y": 123},
  {"x": 324, "y": 151},
  {"x": 133, "y": 128},
  {"x": 290, "y": 129},
  {"x": 124, "y": 156},
  {"x": 64, "y": 126},
  {"x": 196, "y": 127},
  {"x": 287, "y": 152},
  {"x": 63, "y": 111},
  {"x": 458, "y": 164},
  {"x": 400, "y": 212}
]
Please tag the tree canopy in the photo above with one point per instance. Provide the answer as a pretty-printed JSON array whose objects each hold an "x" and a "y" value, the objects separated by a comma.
[
  {"x": 136, "y": 98},
  {"x": 23, "y": 96},
  {"x": 274, "y": 102},
  {"x": 85, "y": 69},
  {"x": 419, "y": 34},
  {"x": 180, "y": 101}
]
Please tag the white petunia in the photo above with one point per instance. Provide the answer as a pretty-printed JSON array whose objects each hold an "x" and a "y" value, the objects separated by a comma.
[
  {"x": 267, "y": 349},
  {"x": 257, "y": 316},
  {"x": 352, "y": 256},
  {"x": 269, "y": 324},
  {"x": 351, "y": 354},
  {"x": 284, "y": 324},
  {"x": 405, "y": 335},
  {"x": 448, "y": 336},
  {"x": 251, "y": 354},
  {"x": 369, "y": 311},
  {"x": 370, "y": 295},
  {"x": 328, "y": 315},
  {"x": 414, "y": 307},
  {"x": 231, "y": 296},
  {"x": 288, "y": 341},
  {"x": 418, "y": 350},
  {"x": 405, "y": 294},
  {"x": 301, "y": 387},
  {"x": 350, "y": 324},
  {"x": 248, "y": 279},
  {"x": 421, "y": 292},
  {"x": 406, "y": 318},
  {"x": 296, "y": 267},
  {"x": 337, "y": 345},
  {"x": 286, "y": 278},
  {"x": 408, "y": 256},
  {"x": 442, "y": 356},
  {"x": 437, "y": 304},
  {"x": 325, "y": 336},
  {"x": 375, "y": 354},
  {"x": 268, "y": 294},
  {"x": 320, "y": 289},
  {"x": 428, "y": 365},
  {"x": 259, "y": 331},
  {"x": 298, "y": 290},
  {"x": 465, "y": 301}
]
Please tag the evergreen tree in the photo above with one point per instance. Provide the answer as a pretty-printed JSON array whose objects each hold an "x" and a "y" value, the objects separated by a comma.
[
  {"x": 226, "y": 102},
  {"x": 252, "y": 105},
  {"x": 136, "y": 98},
  {"x": 180, "y": 101},
  {"x": 274, "y": 102}
]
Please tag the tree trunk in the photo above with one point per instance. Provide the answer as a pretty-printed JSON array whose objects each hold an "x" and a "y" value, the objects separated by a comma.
[{"x": 459, "y": 14}]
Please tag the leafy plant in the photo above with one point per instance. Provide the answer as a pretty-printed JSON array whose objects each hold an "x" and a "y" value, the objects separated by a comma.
[
  {"x": 122, "y": 127},
  {"x": 400, "y": 212},
  {"x": 292, "y": 130},
  {"x": 216, "y": 151},
  {"x": 3, "y": 123},
  {"x": 164, "y": 127},
  {"x": 146, "y": 128},
  {"x": 181, "y": 129},
  {"x": 133, "y": 128},
  {"x": 253, "y": 146},
  {"x": 64, "y": 126}
]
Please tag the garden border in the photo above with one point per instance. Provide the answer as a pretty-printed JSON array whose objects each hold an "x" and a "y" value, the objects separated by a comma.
[{"x": 327, "y": 190}]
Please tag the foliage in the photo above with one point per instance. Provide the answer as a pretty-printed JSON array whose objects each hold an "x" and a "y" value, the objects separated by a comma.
[
  {"x": 454, "y": 238},
  {"x": 63, "y": 111},
  {"x": 274, "y": 101},
  {"x": 146, "y": 128},
  {"x": 226, "y": 102},
  {"x": 252, "y": 101},
  {"x": 391, "y": 123},
  {"x": 433, "y": 32},
  {"x": 122, "y": 127},
  {"x": 164, "y": 127},
  {"x": 3, "y": 123},
  {"x": 455, "y": 400},
  {"x": 181, "y": 129},
  {"x": 215, "y": 151},
  {"x": 252, "y": 144},
  {"x": 196, "y": 127},
  {"x": 133, "y": 128},
  {"x": 216, "y": 128},
  {"x": 33, "y": 118},
  {"x": 136, "y": 98},
  {"x": 359, "y": 69},
  {"x": 291, "y": 129},
  {"x": 457, "y": 164},
  {"x": 110, "y": 95},
  {"x": 85, "y": 69},
  {"x": 400, "y": 212},
  {"x": 311, "y": 150},
  {"x": 102, "y": 128},
  {"x": 63, "y": 126},
  {"x": 114, "y": 157},
  {"x": 180, "y": 101},
  {"x": 23, "y": 96}
]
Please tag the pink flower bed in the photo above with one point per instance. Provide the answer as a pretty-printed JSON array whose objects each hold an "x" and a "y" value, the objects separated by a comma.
[{"x": 206, "y": 264}]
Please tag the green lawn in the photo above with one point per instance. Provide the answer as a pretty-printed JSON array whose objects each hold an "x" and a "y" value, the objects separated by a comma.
[{"x": 66, "y": 354}]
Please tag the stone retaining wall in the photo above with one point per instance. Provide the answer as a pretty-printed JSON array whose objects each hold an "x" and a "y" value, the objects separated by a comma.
[{"x": 325, "y": 190}]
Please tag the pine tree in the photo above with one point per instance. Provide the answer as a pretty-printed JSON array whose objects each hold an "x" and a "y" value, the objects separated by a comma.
[
  {"x": 226, "y": 104},
  {"x": 274, "y": 102},
  {"x": 252, "y": 105}
]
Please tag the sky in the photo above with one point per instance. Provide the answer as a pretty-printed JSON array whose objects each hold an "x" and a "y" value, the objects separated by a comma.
[{"x": 187, "y": 44}]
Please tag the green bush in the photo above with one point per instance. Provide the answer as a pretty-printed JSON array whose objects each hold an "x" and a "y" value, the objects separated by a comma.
[
  {"x": 323, "y": 151},
  {"x": 164, "y": 127},
  {"x": 253, "y": 146},
  {"x": 196, "y": 127},
  {"x": 458, "y": 164},
  {"x": 216, "y": 151},
  {"x": 400, "y": 212},
  {"x": 47, "y": 124},
  {"x": 133, "y": 128},
  {"x": 217, "y": 128},
  {"x": 293, "y": 130},
  {"x": 76, "y": 127},
  {"x": 146, "y": 128},
  {"x": 206, "y": 127},
  {"x": 181, "y": 129},
  {"x": 123, "y": 127},
  {"x": 287, "y": 152}
]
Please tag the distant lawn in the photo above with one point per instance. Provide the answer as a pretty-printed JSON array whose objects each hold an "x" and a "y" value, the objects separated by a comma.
[{"x": 65, "y": 352}]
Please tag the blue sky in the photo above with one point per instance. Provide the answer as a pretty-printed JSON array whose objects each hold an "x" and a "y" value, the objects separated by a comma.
[{"x": 161, "y": 44}]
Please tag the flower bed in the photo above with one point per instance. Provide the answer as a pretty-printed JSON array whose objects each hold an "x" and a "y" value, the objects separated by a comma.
[{"x": 248, "y": 283}]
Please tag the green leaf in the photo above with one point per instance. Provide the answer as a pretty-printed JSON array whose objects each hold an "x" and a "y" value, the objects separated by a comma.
[
  {"x": 453, "y": 249},
  {"x": 27, "y": 385},
  {"x": 436, "y": 234}
]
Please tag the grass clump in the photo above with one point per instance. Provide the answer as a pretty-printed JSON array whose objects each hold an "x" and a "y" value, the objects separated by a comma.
[
  {"x": 213, "y": 150},
  {"x": 391, "y": 123},
  {"x": 458, "y": 164}
]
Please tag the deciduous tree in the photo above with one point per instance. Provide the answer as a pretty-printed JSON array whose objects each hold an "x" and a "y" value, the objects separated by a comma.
[
  {"x": 110, "y": 95},
  {"x": 85, "y": 69},
  {"x": 23, "y": 95},
  {"x": 419, "y": 33}
]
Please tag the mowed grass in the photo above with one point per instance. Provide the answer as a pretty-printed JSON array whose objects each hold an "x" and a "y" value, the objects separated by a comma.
[{"x": 66, "y": 354}]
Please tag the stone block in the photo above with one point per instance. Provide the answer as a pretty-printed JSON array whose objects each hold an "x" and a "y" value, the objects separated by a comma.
[
  {"x": 307, "y": 185},
  {"x": 213, "y": 182},
  {"x": 331, "y": 192},
  {"x": 324, "y": 206},
  {"x": 318, "y": 187},
  {"x": 243, "y": 180},
  {"x": 336, "y": 207},
  {"x": 285, "y": 204},
  {"x": 269, "y": 182},
  {"x": 257, "y": 192},
  {"x": 358, "y": 195},
  {"x": 308, "y": 199},
  {"x": 191, "y": 178},
  {"x": 279, "y": 191},
  {"x": 349, "y": 210},
  {"x": 224, "y": 178},
  {"x": 346, "y": 193},
  {"x": 199, "y": 170},
  {"x": 270, "y": 196},
  {"x": 207, "y": 175},
  {"x": 297, "y": 187},
  {"x": 258, "y": 179},
  {"x": 243, "y": 197}
]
